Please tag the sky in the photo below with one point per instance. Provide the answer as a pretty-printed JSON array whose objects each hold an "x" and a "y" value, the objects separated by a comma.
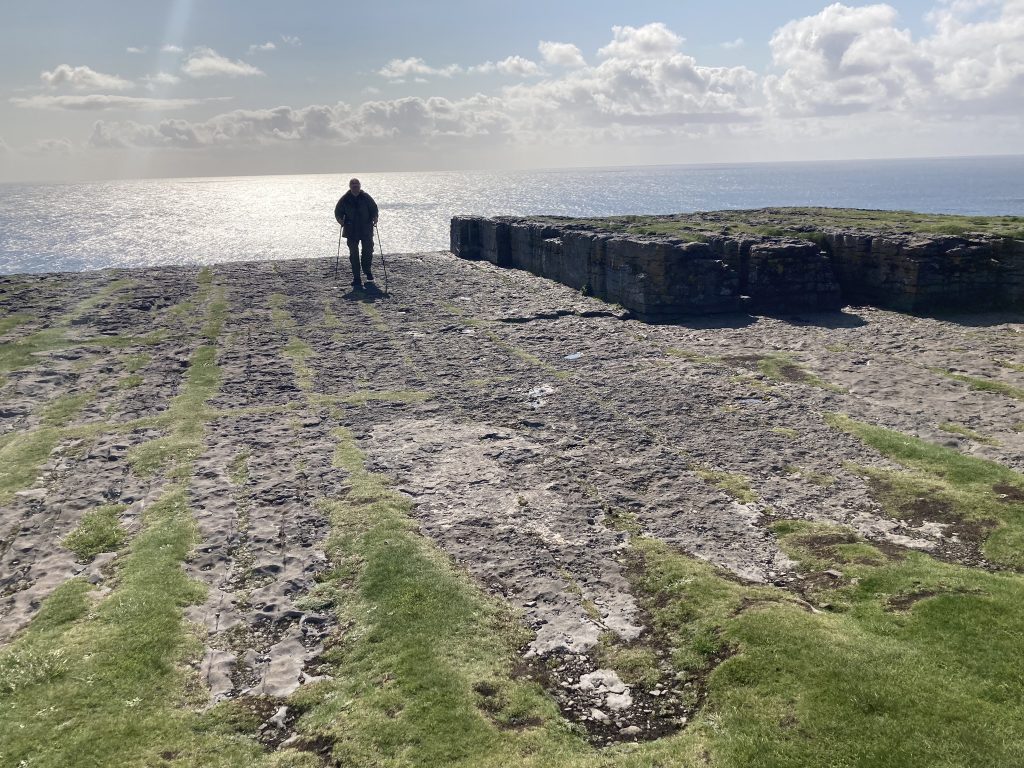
[{"x": 120, "y": 89}]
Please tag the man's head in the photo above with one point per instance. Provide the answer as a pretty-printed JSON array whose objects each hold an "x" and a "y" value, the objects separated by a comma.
[{"x": 354, "y": 186}]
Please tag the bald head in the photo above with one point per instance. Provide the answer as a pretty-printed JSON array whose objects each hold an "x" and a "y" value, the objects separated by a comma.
[{"x": 354, "y": 186}]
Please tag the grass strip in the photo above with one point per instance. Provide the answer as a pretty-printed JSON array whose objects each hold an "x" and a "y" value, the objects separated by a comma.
[
  {"x": 187, "y": 415},
  {"x": 424, "y": 643},
  {"x": 983, "y": 385},
  {"x": 21, "y": 457},
  {"x": 782, "y": 368},
  {"x": 970, "y": 434},
  {"x": 12, "y": 321},
  {"x": 101, "y": 685},
  {"x": 946, "y": 486}
]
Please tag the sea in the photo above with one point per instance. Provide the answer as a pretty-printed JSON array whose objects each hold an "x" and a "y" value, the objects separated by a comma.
[{"x": 86, "y": 226}]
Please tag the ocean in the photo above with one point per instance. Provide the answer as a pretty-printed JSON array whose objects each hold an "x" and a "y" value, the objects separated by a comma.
[{"x": 75, "y": 227}]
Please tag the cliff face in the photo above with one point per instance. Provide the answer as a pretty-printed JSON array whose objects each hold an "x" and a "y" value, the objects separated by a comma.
[{"x": 661, "y": 278}]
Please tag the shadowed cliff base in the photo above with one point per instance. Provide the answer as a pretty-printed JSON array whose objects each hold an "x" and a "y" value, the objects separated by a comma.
[
  {"x": 771, "y": 260},
  {"x": 250, "y": 518}
]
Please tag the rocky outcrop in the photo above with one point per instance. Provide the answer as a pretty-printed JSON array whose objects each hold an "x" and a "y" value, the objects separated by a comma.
[{"x": 664, "y": 278}]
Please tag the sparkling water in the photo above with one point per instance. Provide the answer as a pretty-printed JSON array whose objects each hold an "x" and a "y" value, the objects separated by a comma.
[{"x": 71, "y": 227}]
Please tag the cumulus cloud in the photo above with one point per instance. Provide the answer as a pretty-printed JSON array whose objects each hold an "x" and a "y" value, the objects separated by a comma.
[
  {"x": 291, "y": 40},
  {"x": 733, "y": 45},
  {"x": 512, "y": 65},
  {"x": 561, "y": 54},
  {"x": 845, "y": 60},
  {"x": 401, "y": 69},
  {"x": 651, "y": 41},
  {"x": 136, "y": 49},
  {"x": 432, "y": 119},
  {"x": 172, "y": 49},
  {"x": 83, "y": 79},
  {"x": 644, "y": 87},
  {"x": 261, "y": 47},
  {"x": 98, "y": 102},
  {"x": 206, "y": 62}
]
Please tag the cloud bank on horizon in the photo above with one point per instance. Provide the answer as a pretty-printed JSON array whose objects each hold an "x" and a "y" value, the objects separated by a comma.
[{"x": 844, "y": 78}]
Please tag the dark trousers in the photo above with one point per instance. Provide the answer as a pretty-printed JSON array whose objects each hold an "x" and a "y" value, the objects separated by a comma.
[{"x": 353, "y": 254}]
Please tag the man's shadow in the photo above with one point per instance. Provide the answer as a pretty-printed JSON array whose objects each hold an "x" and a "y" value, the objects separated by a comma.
[{"x": 368, "y": 294}]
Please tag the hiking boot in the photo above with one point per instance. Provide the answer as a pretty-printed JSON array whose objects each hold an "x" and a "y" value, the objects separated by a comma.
[
  {"x": 369, "y": 276},
  {"x": 357, "y": 285}
]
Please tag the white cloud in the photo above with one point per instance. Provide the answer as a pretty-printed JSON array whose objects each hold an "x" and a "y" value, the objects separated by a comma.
[
  {"x": 733, "y": 45},
  {"x": 291, "y": 40},
  {"x": 206, "y": 62},
  {"x": 83, "y": 78},
  {"x": 513, "y": 65},
  {"x": 172, "y": 49},
  {"x": 99, "y": 102},
  {"x": 651, "y": 41},
  {"x": 261, "y": 47},
  {"x": 136, "y": 49},
  {"x": 424, "y": 120},
  {"x": 846, "y": 60},
  {"x": 160, "y": 79},
  {"x": 400, "y": 69},
  {"x": 643, "y": 91},
  {"x": 561, "y": 54}
]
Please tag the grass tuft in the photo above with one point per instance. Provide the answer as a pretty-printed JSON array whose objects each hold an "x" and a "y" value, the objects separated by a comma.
[{"x": 99, "y": 531}]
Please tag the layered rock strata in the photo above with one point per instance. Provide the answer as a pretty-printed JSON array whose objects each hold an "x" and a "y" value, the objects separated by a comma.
[{"x": 664, "y": 278}]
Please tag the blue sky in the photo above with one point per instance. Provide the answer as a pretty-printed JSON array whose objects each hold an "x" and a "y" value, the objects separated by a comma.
[{"x": 199, "y": 87}]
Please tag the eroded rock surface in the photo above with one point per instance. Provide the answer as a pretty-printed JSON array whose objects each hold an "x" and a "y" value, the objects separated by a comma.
[{"x": 519, "y": 417}]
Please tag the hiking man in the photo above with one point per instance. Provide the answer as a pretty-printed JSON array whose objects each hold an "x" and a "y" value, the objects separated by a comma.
[{"x": 357, "y": 213}]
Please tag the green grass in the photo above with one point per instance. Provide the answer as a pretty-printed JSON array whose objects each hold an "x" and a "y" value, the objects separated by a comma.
[
  {"x": 984, "y": 385},
  {"x": 970, "y": 434},
  {"x": 424, "y": 641},
  {"x": 130, "y": 382},
  {"x": 1019, "y": 367},
  {"x": 823, "y": 479},
  {"x": 943, "y": 483},
  {"x": 365, "y": 396},
  {"x": 280, "y": 317},
  {"x": 21, "y": 457},
  {"x": 238, "y": 470},
  {"x": 109, "y": 682},
  {"x": 804, "y": 223},
  {"x": 135, "y": 363},
  {"x": 792, "y": 434},
  {"x": 187, "y": 416},
  {"x": 735, "y": 485},
  {"x": 12, "y": 321},
  {"x": 297, "y": 351},
  {"x": 782, "y": 368},
  {"x": 99, "y": 531},
  {"x": 62, "y": 410}
]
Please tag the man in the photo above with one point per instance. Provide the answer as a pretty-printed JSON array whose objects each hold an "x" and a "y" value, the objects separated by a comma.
[{"x": 357, "y": 213}]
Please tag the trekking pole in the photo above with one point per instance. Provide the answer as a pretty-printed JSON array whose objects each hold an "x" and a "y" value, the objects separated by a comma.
[
  {"x": 337, "y": 259},
  {"x": 383, "y": 262}
]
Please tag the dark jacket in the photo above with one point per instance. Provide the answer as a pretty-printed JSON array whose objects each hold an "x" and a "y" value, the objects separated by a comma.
[{"x": 356, "y": 215}]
